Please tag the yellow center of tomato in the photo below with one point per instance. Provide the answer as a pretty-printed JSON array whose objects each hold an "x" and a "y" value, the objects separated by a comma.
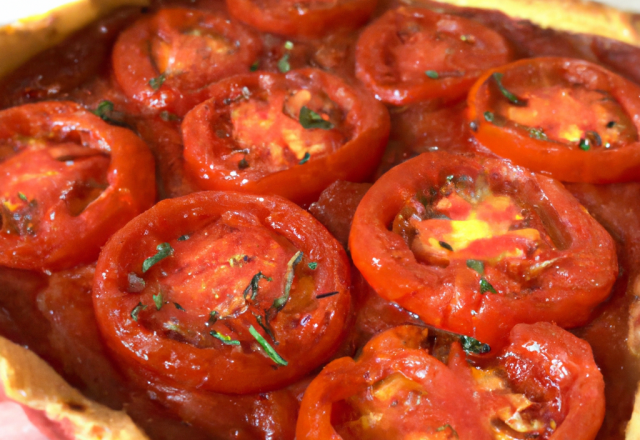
[
  {"x": 573, "y": 115},
  {"x": 483, "y": 231},
  {"x": 269, "y": 133}
]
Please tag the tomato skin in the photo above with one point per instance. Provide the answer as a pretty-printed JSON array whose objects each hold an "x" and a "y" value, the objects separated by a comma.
[
  {"x": 64, "y": 240},
  {"x": 135, "y": 64},
  {"x": 400, "y": 81},
  {"x": 366, "y": 128},
  {"x": 294, "y": 19},
  {"x": 307, "y": 335},
  {"x": 565, "y": 292},
  {"x": 542, "y": 354},
  {"x": 556, "y": 159},
  {"x": 396, "y": 350}
]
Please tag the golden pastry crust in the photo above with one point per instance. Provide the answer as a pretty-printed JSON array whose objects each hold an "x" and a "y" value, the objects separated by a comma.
[
  {"x": 29, "y": 380},
  {"x": 25, "y": 38},
  {"x": 578, "y": 16}
]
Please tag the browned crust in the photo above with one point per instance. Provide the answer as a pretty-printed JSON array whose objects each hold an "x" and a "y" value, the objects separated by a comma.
[
  {"x": 578, "y": 16},
  {"x": 29, "y": 380}
]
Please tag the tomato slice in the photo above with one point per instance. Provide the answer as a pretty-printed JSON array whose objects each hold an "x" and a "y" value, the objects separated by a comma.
[
  {"x": 478, "y": 245},
  {"x": 218, "y": 291},
  {"x": 414, "y": 54},
  {"x": 69, "y": 180},
  {"x": 569, "y": 119},
  {"x": 163, "y": 61},
  {"x": 302, "y": 18},
  {"x": 291, "y": 135},
  {"x": 544, "y": 385}
]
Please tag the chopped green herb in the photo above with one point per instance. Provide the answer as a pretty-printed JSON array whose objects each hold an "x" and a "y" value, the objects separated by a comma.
[
  {"x": 488, "y": 116},
  {"x": 103, "y": 109},
  {"x": 183, "y": 237},
  {"x": 252, "y": 288},
  {"x": 156, "y": 83},
  {"x": 136, "y": 284},
  {"x": 226, "y": 340},
  {"x": 473, "y": 346},
  {"x": 432, "y": 74},
  {"x": 449, "y": 427},
  {"x": 213, "y": 318},
  {"x": 450, "y": 178},
  {"x": 280, "y": 302},
  {"x": 169, "y": 117},
  {"x": 476, "y": 265},
  {"x": 164, "y": 250},
  {"x": 513, "y": 99},
  {"x": 313, "y": 265},
  {"x": 136, "y": 311},
  {"x": 22, "y": 197},
  {"x": 275, "y": 357},
  {"x": 264, "y": 324},
  {"x": 611, "y": 124},
  {"x": 179, "y": 307},
  {"x": 585, "y": 144},
  {"x": 310, "y": 119},
  {"x": 538, "y": 133},
  {"x": 158, "y": 301},
  {"x": 254, "y": 66},
  {"x": 305, "y": 158},
  {"x": 243, "y": 164},
  {"x": 447, "y": 246},
  {"x": 485, "y": 287},
  {"x": 288, "y": 45},
  {"x": 283, "y": 63},
  {"x": 327, "y": 295}
]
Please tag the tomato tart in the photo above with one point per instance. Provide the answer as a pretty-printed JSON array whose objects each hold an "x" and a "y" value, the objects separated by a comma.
[{"x": 346, "y": 219}]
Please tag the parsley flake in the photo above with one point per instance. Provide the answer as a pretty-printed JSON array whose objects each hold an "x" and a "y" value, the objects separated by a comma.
[
  {"x": 158, "y": 300},
  {"x": 184, "y": 237},
  {"x": 283, "y": 63},
  {"x": 476, "y": 265},
  {"x": 448, "y": 426},
  {"x": 538, "y": 133},
  {"x": 243, "y": 164},
  {"x": 313, "y": 265},
  {"x": 279, "y": 303},
  {"x": 254, "y": 66},
  {"x": 103, "y": 109},
  {"x": 275, "y": 357},
  {"x": 513, "y": 99},
  {"x": 485, "y": 286},
  {"x": 164, "y": 250},
  {"x": 473, "y": 346},
  {"x": 264, "y": 324},
  {"x": 326, "y": 295},
  {"x": 305, "y": 159},
  {"x": 168, "y": 117},
  {"x": 488, "y": 116},
  {"x": 213, "y": 318},
  {"x": 584, "y": 144},
  {"x": 179, "y": 307},
  {"x": 226, "y": 340},
  {"x": 252, "y": 288},
  {"x": 310, "y": 119},
  {"x": 136, "y": 311},
  {"x": 432, "y": 74},
  {"x": 22, "y": 197},
  {"x": 156, "y": 83},
  {"x": 445, "y": 245}
]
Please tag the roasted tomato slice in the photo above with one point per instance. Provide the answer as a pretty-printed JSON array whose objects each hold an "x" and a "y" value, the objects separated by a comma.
[
  {"x": 478, "y": 245},
  {"x": 570, "y": 119},
  {"x": 224, "y": 292},
  {"x": 302, "y": 18},
  {"x": 544, "y": 385},
  {"x": 395, "y": 390},
  {"x": 68, "y": 180},
  {"x": 163, "y": 61},
  {"x": 291, "y": 135},
  {"x": 414, "y": 54}
]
